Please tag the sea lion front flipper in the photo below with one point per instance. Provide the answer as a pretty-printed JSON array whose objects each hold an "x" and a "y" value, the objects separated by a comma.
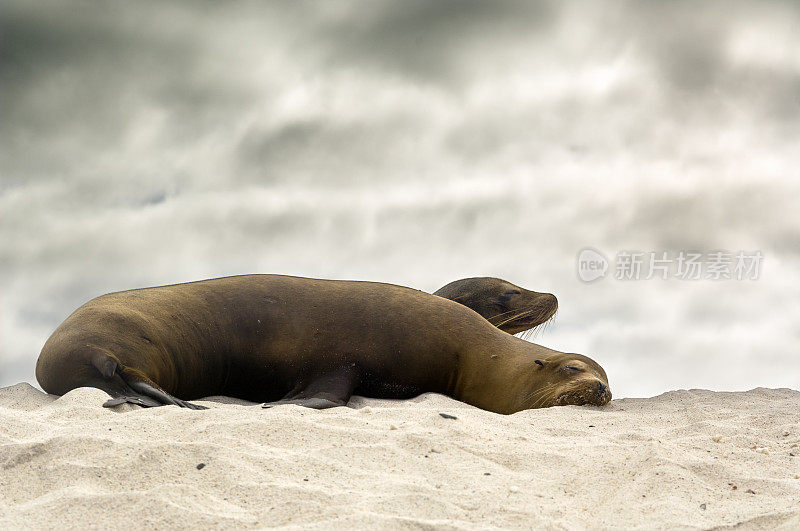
[{"x": 330, "y": 389}]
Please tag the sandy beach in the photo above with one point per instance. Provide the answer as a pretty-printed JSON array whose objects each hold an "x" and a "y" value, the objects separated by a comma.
[{"x": 695, "y": 458}]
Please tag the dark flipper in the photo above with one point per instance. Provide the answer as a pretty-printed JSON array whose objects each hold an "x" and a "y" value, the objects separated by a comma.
[
  {"x": 143, "y": 401},
  {"x": 164, "y": 398},
  {"x": 299, "y": 387},
  {"x": 331, "y": 389},
  {"x": 146, "y": 395},
  {"x": 311, "y": 402},
  {"x": 127, "y": 385}
]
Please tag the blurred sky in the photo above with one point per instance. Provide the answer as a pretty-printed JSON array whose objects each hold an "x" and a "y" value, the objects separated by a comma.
[{"x": 146, "y": 143}]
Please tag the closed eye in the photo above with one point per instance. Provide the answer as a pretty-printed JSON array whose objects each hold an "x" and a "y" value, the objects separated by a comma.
[
  {"x": 572, "y": 368},
  {"x": 513, "y": 292}
]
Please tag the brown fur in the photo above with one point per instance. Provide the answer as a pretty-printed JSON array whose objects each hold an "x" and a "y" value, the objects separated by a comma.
[
  {"x": 510, "y": 308},
  {"x": 313, "y": 342}
]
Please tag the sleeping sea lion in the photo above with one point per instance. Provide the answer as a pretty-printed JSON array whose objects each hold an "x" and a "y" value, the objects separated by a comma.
[
  {"x": 269, "y": 338},
  {"x": 510, "y": 308}
]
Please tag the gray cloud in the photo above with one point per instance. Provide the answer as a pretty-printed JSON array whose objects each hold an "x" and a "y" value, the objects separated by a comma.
[
  {"x": 412, "y": 142},
  {"x": 432, "y": 42}
]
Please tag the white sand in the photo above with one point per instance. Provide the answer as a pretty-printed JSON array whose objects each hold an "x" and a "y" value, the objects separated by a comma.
[{"x": 685, "y": 458}]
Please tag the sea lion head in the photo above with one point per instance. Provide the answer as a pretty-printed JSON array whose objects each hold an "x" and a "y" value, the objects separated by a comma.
[
  {"x": 563, "y": 379},
  {"x": 509, "y": 307}
]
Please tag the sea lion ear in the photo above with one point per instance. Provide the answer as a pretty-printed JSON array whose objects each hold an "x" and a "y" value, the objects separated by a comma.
[
  {"x": 540, "y": 363},
  {"x": 104, "y": 363}
]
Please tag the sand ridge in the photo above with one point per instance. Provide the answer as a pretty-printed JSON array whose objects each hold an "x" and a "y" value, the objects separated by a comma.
[{"x": 682, "y": 459}]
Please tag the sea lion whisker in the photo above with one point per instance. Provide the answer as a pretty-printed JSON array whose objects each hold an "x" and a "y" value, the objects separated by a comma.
[
  {"x": 519, "y": 315},
  {"x": 494, "y": 317},
  {"x": 541, "y": 398},
  {"x": 539, "y": 403},
  {"x": 536, "y": 394},
  {"x": 542, "y": 327},
  {"x": 536, "y": 391},
  {"x": 546, "y": 392}
]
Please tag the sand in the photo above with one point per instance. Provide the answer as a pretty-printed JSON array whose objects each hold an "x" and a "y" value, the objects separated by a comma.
[{"x": 694, "y": 459}]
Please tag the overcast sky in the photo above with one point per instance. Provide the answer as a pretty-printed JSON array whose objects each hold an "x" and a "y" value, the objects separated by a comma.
[{"x": 146, "y": 143}]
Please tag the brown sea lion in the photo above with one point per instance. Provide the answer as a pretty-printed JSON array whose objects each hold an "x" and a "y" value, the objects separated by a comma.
[
  {"x": 311, "y": 342},
  {"x": 510, "y": 308}
]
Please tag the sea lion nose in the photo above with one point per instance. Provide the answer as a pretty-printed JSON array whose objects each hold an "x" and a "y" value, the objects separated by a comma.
[
  {"x": 550, "y": 299},
  {"x": 602, "y": 389}
]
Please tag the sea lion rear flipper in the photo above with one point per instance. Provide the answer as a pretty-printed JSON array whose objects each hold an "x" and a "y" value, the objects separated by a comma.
[
  {"x": 143, "y": 401},
  {"x": 161, "y": 397},
  {"x": 311, "y": 402},
  {"x": 149, "y": 397},
  {"x": 105, "y": 363},
  {"x": 142, "y": 391},
  {"x": 108, "y": 365},
  {"x": 331, "y": 389}
]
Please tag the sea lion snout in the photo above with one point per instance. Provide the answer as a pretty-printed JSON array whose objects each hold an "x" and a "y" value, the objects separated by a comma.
[
  {"x": 585, "y": 391},
  {"x": 603, "y": 393},
  {"x": 594, "y": 390},
  {"x": 575, "y": 380},
  {"x": 549, "y": 300},
  {"x": 525, "y": 311}
]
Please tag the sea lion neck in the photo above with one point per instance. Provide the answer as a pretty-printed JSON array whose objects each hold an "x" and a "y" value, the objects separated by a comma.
[{"x": 497, "y": 374}]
